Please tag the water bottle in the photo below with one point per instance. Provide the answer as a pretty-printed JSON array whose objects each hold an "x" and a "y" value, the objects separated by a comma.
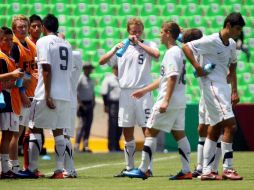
[
  {"x": 19, "y": 82},
  {"x": 206, "y": 69},
  {"x": 121, "y": 51},
  {"x": 2, "y": 102},
  {"x": 180, "y": 38}
]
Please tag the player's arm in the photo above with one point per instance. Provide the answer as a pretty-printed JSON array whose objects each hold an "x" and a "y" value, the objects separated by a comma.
[
  {"x": 106, "y": 57},
  {"x": 47, "y": 75},
  {"x": 141, "y": 92},
  {"x": 170, "y": 89},
  {"x": 233, "y": 78},
  {"x": 190, "y": 56},
  {"x": 151, "y": 51}
]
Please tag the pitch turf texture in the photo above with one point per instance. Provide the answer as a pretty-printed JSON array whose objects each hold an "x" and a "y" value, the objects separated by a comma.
[{"x": 96, "y": 170}]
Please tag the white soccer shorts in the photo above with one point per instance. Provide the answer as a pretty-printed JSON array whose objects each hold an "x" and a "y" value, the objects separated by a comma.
[
  {"x": 24, "y": 117},
  {"x": 202, "y": 113},
  {"x": 9, "y": 121},
  {"x": 43, "y": 117},
  {"x": 134, "y": 111},
  {"x": 70, "y": 132}
]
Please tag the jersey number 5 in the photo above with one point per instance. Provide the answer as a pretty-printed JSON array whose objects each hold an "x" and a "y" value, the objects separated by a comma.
[{"x": 63, "y": 51}]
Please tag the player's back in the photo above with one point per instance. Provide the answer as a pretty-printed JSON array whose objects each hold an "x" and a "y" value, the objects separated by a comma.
[{"x": 58, "y": 53}]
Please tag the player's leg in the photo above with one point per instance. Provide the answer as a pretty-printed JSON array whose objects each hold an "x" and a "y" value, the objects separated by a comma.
[
  {"x": 230, "y": 128},
  {"x": 217, "y": 156},
  {"x": 87, "y": 125}
]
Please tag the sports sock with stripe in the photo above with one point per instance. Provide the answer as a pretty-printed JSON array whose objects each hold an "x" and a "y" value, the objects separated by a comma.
[
  {"x": 184, "y": 151},
  {"x": 60, "y": 146},
  {"x": 209, "y": 155},
  {"x": 35, "y": 144},
  {"x": 129, "y": 151},
  {"x": 200, "y": 149},
  {"x": 68, "y": 160},
  {"x": 217, "y": 156},
  {"x": 147, "y": 153},
  {"x": 227, "y": 154}
]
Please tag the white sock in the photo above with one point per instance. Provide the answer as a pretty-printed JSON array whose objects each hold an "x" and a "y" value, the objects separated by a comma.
[
  {"x": 5, "y": 163},
  {"x": 227, "y": 153},
  {"x": 217, "y": 156},
  {"x": 14, "y": 165},
  {"x": 209, "y": 154},
  {"x": 129, "y": 151},
  {"x": 35, "y": 145},
  {"x": 184, "y": 151},
  {"x": 200, "y": 157},
  {"x": 148, "y": 152},
  {"x": 68, "y": 159},
  {"x": 60, "y": 146}
]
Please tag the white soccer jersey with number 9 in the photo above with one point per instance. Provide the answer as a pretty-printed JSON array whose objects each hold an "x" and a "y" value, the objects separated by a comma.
[{"x": 57, "y": 53}]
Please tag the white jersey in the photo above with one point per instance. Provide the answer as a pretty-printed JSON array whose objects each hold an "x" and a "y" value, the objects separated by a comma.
[
  {"x": 214, "y": 51},
  {"x": 110, "y": 86},
  {"x": 75, "y": 75},
  {"x": 57, "y": 53},
  {"x": 134, "y": 67},
  {"x": 172, "y": 64}
]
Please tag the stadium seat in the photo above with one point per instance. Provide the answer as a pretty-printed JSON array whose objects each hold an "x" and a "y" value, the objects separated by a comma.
[
  {"x": 17, "y": 8},
  {"x": 248, "y": 32},
  {"x": 66, "y": 20},
  {"x": 152, "y": 32},
  {"x": 215, "y": 9},
  {"x": 149, "y": 9},
  {"x": 230, "y": 2},
  {"x": 216, "y": 21},
  {"x": 107, "y": 20},
  {"x": 105, "y": 9},
  {"x": 81, "y": 8},
  {"x": 152, "y": 20},
  {"x": 124, "y": 1},
  {"x": 85, "y": 20},
  {"x": 251, "y": 43},
  {"x": 61, "y": 8},
  {"x": 249, "y": 2},
  {"x": 209, "y": 2},
  {"x": 109, "y": 32},
  {"x": 40, "y": 9},
  {"x": 86, "y": 32},
  {"x": 88, "y": 43},
  {"x": 171, "y": 9},
  {"x": 122, "y": 20},
  {"x": 196, "y": 21},
  {"x": 126, "y": 9},
  {"x": 109, "y": 43},
  {"x": 68, "y": 31}
]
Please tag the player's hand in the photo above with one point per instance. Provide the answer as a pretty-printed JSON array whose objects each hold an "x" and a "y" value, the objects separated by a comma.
[
  {"x": 234, "y": 98},
  {"x": 134, "y": 39},
  {"x": 119, "y": 46},
  {"x": 229, "y": 78},
  {"x": 138, "y": 94},
  {"x": 25, "y": 100},
  {"x": 50, "y": 103},
  {"x": 163, "y": 107},
  {"x": 18, "y": 73},
  {"x": 200, "y": 71}
]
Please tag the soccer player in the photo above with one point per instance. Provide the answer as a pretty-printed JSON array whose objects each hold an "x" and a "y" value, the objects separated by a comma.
[
  {"x": 24, "y": 53},
  {"x": 110, "y": 91},
  {"x": 190, "y": 35},
  {"x": 220, "y": 49},
  {"x": 9, "y": 116},
  {"x": 168, "y": 113},
  {"x": 134, "y": 72},
  {"x": 70, "y": 171},
  {"x": 51, "y": 105}
]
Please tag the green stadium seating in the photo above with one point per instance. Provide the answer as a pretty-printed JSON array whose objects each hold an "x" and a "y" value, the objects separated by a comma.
[
  {"x": 196, "y": 21},
  {"x": 249, "y": 2},
  {"x": 122, "y": 20},
  {"x": 109, "y": 43},
  {"x": 124, "y": 1},
  {"x": 108, "y": 20},
  {"x": 88, "y": 43},
  {"x": 109, "y": 32},
  {"x": 105, "y": 9},
  {"x": 86, "y": 32},
  {"x": 17, "y": 8},
  {"x": 152, "y": 20},
  {"x": 68, "y": 31},
  {"x": 192, "y": 9},
  {"x": 171, "y": 9},
  {"x": 152, "y": 32},
  {"x": 62, "y": 8},
  {"x": 40, "y": 9},
  {"x": 216, "y": 21},
  {"x": 149, "y": 9},
  {"x": 230, "y": 2},
  {"x": 251, "y": 43},
  {"x": 85, "y": 20},
  {"x": 127, "y": 9},
  {"x": 209, "y": 2},
  {"x": 215, "y": 9},
  {"x": 81, "y": 8},
  {"x": 65, "y": 20}
]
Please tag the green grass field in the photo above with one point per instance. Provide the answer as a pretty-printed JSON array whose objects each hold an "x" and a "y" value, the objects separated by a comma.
[{"x": 96, "y": 170}]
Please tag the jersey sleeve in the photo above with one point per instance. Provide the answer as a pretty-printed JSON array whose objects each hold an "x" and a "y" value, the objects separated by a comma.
[
  {"x": 113, "y": 60},
  {"x": 172, "y": 66},
  {"x": 43, "y": 53},
  {"x": 200, "y": 46},
  {"x": 233, "y": 59}
]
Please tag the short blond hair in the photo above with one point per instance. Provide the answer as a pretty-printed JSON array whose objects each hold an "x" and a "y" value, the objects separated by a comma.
[
  {"x": 16, "y": 18},
  {"x": 135, "y": 21}
]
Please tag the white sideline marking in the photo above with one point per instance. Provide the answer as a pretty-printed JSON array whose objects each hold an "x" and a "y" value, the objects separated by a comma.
[{"x": 115, "y": 164}]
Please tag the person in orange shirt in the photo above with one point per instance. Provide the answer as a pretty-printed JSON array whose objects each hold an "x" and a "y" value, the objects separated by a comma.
[
  {"x": 9, "y": 115},
  {"x": 24, "y": 53}
]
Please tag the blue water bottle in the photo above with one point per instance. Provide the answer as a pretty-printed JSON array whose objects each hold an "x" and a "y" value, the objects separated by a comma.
[
  {"x": 208, "y": 68},
  {"x": 2, "y": 102},
  {"x": 19, "y": 82},
  {"x": 180, "y": 38},
  {"x": 121, "y": 51}
]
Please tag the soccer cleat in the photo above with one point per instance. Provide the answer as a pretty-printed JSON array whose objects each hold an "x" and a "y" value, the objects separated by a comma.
[
  {"x": 87, "y": 150},
  {"x": 39, "y": 174},
  {"x": 181, "y": 176},
  {"x": 70, "y": 174},
  {"x": 196, "y": 173},
  {"x": 121, "y": 174},
  {"x": 210, "y": 176},
  {"x": 28, "y": 174},
  {"x": 231, "y": 174},
  {"x": 8, "y": 175},
  {"x": 58, "y": 174},
  {"x": 135, "y": 173},
  {"x": 149, "y": 173}
]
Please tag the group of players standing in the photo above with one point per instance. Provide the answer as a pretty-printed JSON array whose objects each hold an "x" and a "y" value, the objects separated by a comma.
[{"x": 53, "y": 98}]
